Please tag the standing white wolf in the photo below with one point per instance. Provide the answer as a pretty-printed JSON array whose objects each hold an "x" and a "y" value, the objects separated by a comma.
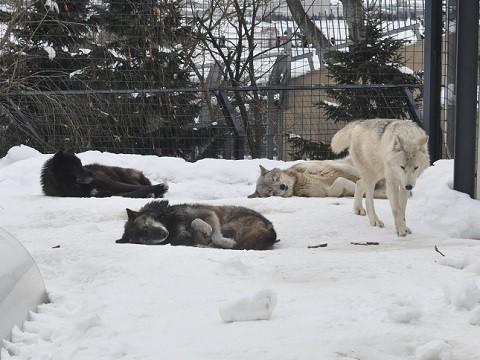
[{"x": 390, "y": 149}]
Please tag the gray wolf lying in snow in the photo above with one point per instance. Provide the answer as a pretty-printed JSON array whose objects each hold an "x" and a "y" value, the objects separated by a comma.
[
  {"x": 390, "y": 149},
  {"x": 228, "y": 227},
  {"x": 312, "y": 179}
]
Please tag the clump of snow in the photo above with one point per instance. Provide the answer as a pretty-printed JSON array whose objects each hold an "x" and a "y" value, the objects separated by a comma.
[
  {"x": 18, "y": 153},
  {"x": 475, "y": 316},
  {"x": 458, "y": 262},
  {"x": 403, "y": 311},
  {"x": 258, "y": 307},
  {"x": 51, "y": 4},
  {"x": 474, "y": 267},
  {"x": 463, "y": 295},
  {"x": 434, "y": 350},
  {"x": 233, "y": 266}
]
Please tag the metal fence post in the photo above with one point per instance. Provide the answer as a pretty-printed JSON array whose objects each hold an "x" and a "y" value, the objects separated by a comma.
[
  {"x": 234, "y": 123},
  {"x": 466, "y": 96},
  {"x": 433, "y": 77}
]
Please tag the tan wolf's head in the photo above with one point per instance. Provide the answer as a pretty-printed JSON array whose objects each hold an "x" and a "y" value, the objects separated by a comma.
[{"x": 273, "y": 182}]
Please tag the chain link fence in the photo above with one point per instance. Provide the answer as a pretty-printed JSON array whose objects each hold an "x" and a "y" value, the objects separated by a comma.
[{"x": 195, "y": 79}]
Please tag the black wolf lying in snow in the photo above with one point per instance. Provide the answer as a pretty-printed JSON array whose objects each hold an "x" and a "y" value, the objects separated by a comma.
[
  {"x": 228, "y": 227},
  {"x": 64, "y": 175}
]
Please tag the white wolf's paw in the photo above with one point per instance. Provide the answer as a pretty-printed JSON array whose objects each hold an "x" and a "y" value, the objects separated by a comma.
[
  {"x": 360, "y": 211},
  {"x": 225, "y": 243},
  {"x": 403, "y": 231},
  {"x": 376, "y": 222}
]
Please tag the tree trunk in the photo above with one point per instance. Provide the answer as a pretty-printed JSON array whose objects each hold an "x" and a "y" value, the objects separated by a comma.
[
  {"x": 353, "y": 12},
  {"x": 303, "y": 21}
]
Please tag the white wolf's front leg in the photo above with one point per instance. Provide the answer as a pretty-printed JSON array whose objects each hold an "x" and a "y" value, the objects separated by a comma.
[
  {"x": 372, "y": 215},
  {"x": 398, "y": 202},
  {"x": 403, "y": 196}
]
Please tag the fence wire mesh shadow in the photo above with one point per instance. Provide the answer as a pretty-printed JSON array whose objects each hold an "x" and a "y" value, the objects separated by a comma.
[{"x": 288, "y": 122}]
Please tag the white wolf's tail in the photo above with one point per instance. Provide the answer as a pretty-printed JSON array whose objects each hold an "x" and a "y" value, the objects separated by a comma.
[{"x": 341, "y": 140}]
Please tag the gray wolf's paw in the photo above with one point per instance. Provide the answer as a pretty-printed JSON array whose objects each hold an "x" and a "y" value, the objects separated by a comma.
[
  {"x": 376, "y": 222},
  {"x": 403, "y": 231},
  {"x": 202, "y": 227},
  {"x": 225, "y": 243},
  {"x": 158, "y": 190},
  {"x": 359, "y": 211}
]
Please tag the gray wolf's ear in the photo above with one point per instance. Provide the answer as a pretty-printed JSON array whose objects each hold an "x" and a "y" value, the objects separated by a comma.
[
  {"x": 132, "y": 215},
  {"x": 121, "y": 241},
  {"x": 263, "y": 171},
  {"x": 423, "y": 141},
  {"x": 164, "y": 204},
  {"x": 398, "y": 143},
  {"x": 254, "y": 195}
]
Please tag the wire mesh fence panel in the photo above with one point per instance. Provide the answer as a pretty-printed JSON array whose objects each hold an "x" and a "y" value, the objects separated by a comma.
[{"x": 204, "y": 78}]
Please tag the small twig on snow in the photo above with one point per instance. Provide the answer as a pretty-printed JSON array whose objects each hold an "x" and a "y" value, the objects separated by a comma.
[
  {"x": 367, "y": 243},
  {"x": 436, "y": 249},
  {"x": 317, "y": 246}
]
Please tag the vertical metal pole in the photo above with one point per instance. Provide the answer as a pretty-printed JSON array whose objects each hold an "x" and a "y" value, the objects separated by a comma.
[
  {"x": 477, "y": 190},
  {"x": 466, "y": 99},
  {"x": 433, "y": 77}
]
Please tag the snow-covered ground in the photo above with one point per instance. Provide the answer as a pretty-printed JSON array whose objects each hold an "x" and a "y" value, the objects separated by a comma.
[{"x": 397, "y": 300}]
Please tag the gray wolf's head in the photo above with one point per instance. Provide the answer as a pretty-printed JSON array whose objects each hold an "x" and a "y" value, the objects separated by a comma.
[
  {"x": 273, "y": 182},
  {"x": 147, "y": 225},
  {"x": 409, "y": 159}
]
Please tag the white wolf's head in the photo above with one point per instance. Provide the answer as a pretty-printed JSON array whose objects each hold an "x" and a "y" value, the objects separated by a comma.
[
  {"x": 273, "y": 182},
  {"x": 409, "y": 159}
]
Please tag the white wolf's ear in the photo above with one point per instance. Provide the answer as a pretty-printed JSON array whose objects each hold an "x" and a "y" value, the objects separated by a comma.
[
  {"x": 398, "y": 143},
  {"x": 263, "y": 171},
  {"x": 423, "y": 141},
  {"x": 132, "y": 215}
]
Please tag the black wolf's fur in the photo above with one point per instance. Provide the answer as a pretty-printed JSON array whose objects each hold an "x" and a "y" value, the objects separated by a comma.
[
  {"x": 64, "y": 175},
  {"x": 248, "y": 228}
]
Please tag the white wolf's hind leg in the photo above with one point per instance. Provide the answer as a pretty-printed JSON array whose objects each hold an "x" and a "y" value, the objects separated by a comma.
[
  {"x": 202, "y": 232},
  {"x": 341, "y": 187},
  {"x": 357, "y": 203}
]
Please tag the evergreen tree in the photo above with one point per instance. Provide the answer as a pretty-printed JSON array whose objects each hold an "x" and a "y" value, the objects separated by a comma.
[
  {"x": 107, "y": 45},
  {"x": 146, "y": 47},
  {"x": 373, "y": 59},
  {"x": 307, "y": 149},
  {"x": 45, "y": 52}
]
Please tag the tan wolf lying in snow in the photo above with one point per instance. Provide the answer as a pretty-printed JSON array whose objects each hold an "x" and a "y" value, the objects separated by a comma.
[
  {"x": 390, "y": 149},
  {"x": 322, "y": 178}
]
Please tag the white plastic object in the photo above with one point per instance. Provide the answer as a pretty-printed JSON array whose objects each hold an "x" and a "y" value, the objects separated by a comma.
[{"x": 21, "y": 284}]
